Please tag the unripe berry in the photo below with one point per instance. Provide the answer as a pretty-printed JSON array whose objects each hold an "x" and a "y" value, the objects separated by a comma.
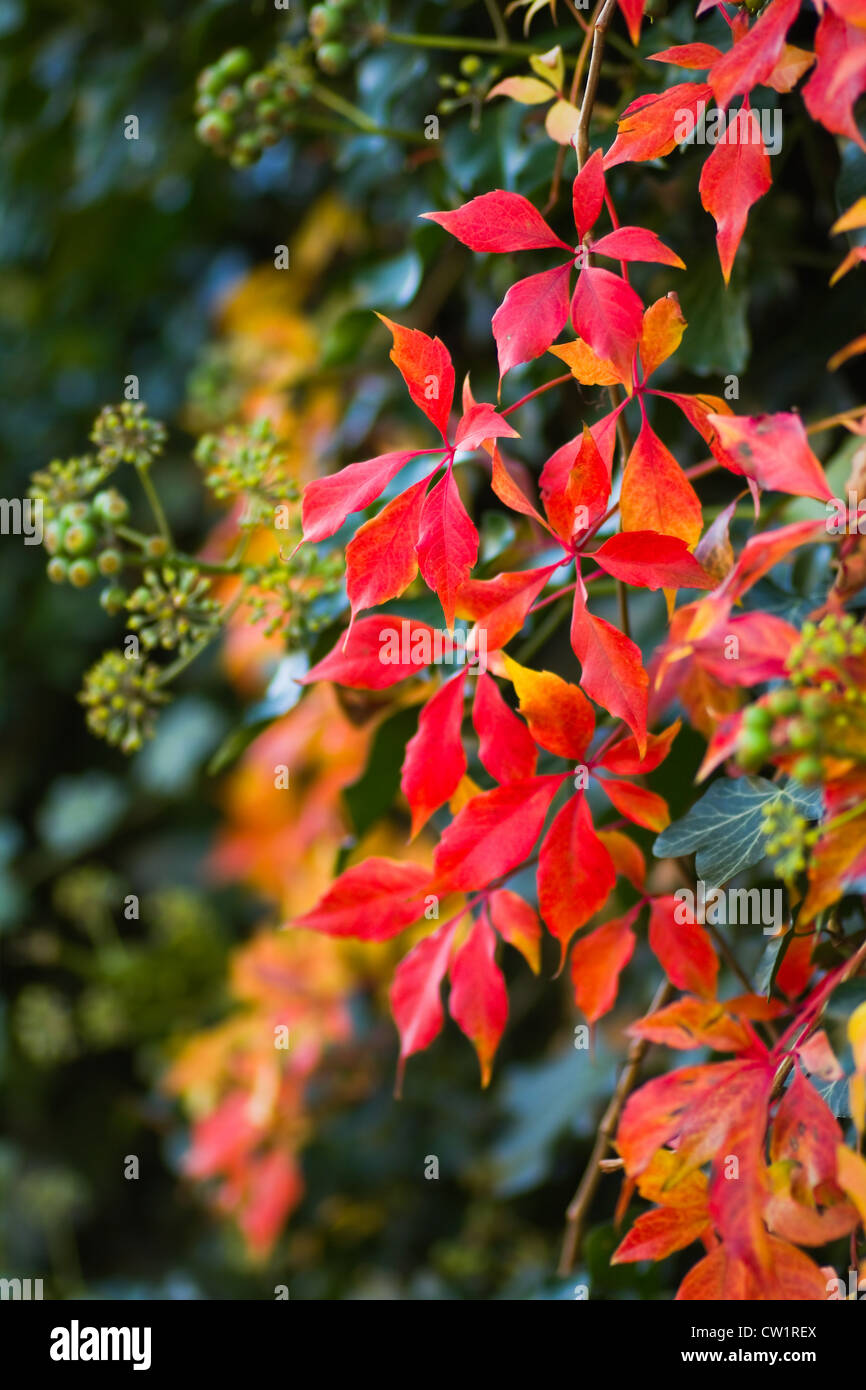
[
  {"x": 332, "y": 58},
  {"x": 783, "y": 703},
  {"x": 807, "y": 770},
  {"x": 52, "y": 537},
  {"x": 156, "y": 547},
  {"x": 58, "y": 570},
  {"x": 470, "y": 65},
  {"x": 257, "y": 86},
  {"x": 80, "y": 538},
  {"x": 815, "y": 705},
  {"x": 110, "y": 506},
  {"x": 230, "y": 98},
  {"x": 324, "y": 22},
  {"x": 113, "y": 599},
  {"x": 75, "y": 511},
  {"x": 213, "y": 128},
  {"x": 82, "y": 573},
  {"x": 209, "y": 81},
  {"x": 236, "y": 63},
  {"x": 757, "y": 717},
  {"x": 802, "y": 734},
  {"x": 110, "y": 562},
  {"x": 753, "y": 748}
]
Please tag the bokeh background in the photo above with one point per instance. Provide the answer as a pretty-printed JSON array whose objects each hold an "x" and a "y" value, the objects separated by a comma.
[{"x": 123, "y": 1036}]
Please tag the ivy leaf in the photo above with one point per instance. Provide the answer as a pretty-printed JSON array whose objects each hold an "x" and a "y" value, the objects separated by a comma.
[{"x": 723, "y": 828}]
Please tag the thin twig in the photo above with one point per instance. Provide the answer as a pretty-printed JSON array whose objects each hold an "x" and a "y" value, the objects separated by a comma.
[
  {"x": 592, "y": 78},
  {"x": 578, "y": 1207}
]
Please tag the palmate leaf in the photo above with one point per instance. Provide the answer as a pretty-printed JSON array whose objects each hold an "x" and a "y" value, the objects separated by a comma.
[{"x": 723, "y": 828}]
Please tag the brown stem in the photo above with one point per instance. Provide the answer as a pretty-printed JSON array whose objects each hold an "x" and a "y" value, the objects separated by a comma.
[
  {"x": 578, "y": 1207},
  {"x": 599, "y": 30}
]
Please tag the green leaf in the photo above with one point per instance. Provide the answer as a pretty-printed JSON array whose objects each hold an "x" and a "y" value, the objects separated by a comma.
[
  {"x": 723, "y": 829},
  {"x": 717, "y": 340}
]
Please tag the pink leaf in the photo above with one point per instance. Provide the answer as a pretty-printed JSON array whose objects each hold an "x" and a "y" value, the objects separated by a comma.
[{"x": 532, "y": 314}]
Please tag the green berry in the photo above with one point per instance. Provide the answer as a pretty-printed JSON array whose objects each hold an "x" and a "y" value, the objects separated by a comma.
[
  {"x": 783, "y": 703},
  {"x": 110, "y": 506},
  {"x": 82, "y": 573},
  {"x": 325, "y": 22},
  {"x": 110, "y": 562},
  {"x": 257, "y": 86},
  {"x": 80, "y": 538},
  {"x": 230, "y": 98},
  {"x": 802, "y": 734},
  {"x": 58, "y": 570},
  {"x": 113, "y": 599},
  {"x": 75, "y": 511},
  {"x": 807, "y": 769},
  {"x": 209, "y": 81},
  {"x": 470, "y": 66},
  {"x": 213, "y": 128},
  {"x": 757, "y": 717},
  {"x": 332, "y": 58},
  {"x": 236, "y": 63},
  {"x": 815, "y": 705},
  {"x": 753, "y": 748},
  {"x": 156, "y": 547},
  {"x": 52, "y": 537}
]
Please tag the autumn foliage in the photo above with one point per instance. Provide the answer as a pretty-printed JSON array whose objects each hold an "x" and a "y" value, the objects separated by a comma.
[{"x": 515, "y": 770}]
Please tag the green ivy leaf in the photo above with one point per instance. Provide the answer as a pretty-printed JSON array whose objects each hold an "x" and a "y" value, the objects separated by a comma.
[{"x": 723, "y": 829}]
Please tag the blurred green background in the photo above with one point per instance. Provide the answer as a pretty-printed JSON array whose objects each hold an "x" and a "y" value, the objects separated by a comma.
[{"x": 114, "y": 255}]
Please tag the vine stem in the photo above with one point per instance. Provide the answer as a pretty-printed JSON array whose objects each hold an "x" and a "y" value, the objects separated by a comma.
[
  {"x": 578, "y": 1207},
  {"x": 360, "y": 118},
  {"x": 599, "y": 30},
  {"x": 156, "y": 506},
  {"x": 466, "y": 45}
]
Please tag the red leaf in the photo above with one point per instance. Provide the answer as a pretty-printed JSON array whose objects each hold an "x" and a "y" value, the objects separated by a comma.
[
  {"x": 643, "y": 807},
  {"x": 608, "y": 314},
  {"x": 597, "y": 962},
  {"x": 806, "y": 1133},
  {"x": 656, "y": 1113},
  {"x": 774, "y": 451},
  {"x": 587, "y": 194},
  {"x": 532, "y": 314},
  {"x": 683, "y": 949},
  {"x": 416, "y": 1001},
  {"x": 636, "y": 244},
  {"x": 479, "y": 1000},
  {"x": 435, "y": 761},
  {"x": 500, "y": 605},
  {"x": 498, "y": 221},
  {"x": 586, "y": 486},
  {"x": 493, "y": 833},
  {"x": 367, "y": 663},
  {"x": 651, "y": 125},
  {"x": 624, "y": 758},
  {"x": 753, "y": 57},
  {"x": 447, "y": 543},
  {"x": 328, "y": 501},
  {"x": 651, "y": 561},
  {"x": 518, "y": 924},
  {"x": 575, "y": 871},
  {"x": 838, "y": 78},
  {"x": 613, "y": 674},
  {"x": 659, "y": 1233},
  {"x": 627, "y": 858},
  {"x": 559, "y": 716},
  {"x": 481, "y": 422},
  {"x": 734, "y": 177},
  {"x": 632, "y": 13},
  {"x": 371, "y": 901},
  {"x": 505, "y": 745},
  {"x": 720, "y": 1276},
  {"x": 380, "y": 558},
  {"x": 425, "y": 366},
  {"x": 656, "y": 494},
  {"x": 688, "y": 55},
  {"x": 509, "y": 491},
  {"x": 690, "y": 1023}
]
